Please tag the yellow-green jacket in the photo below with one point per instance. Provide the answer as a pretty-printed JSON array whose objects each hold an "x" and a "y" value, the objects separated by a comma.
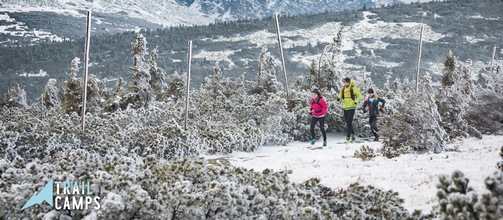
[{"x": 348, "y": 102}]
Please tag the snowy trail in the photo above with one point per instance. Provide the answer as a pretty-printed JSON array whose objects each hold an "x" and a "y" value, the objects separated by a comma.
[{"x": 414, "y": 177}]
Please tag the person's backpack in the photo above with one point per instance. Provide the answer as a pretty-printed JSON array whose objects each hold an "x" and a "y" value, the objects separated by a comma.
[{"x": 352, "y": 95}]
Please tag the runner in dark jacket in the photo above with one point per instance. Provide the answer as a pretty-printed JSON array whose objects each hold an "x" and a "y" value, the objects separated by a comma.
[{"x": 371, "y": 105}]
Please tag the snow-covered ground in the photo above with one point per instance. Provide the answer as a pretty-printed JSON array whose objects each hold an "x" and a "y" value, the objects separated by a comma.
[{"x": 413, "y": 176}]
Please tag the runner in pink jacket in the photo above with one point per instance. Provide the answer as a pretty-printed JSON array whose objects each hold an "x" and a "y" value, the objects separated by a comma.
[{"x": 318, "y": 111}]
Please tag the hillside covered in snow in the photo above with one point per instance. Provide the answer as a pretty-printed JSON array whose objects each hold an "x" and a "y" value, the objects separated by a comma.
[{"x": 378, "y": 42}]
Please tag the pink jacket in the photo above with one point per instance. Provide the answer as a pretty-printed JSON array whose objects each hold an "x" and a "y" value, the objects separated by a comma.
[{"x": 318, "y": 107}]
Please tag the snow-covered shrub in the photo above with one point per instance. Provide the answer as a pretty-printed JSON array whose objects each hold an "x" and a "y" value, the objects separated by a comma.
[
  {"x": 456, "y": 198},
  {"x": 190, "y": 188},
  {"x": 365, "y": 153},
  {"x": 229, "y": 118},
  {"x": 72, "y": 96},
  {"x": 500, "y": 164},
  {"x": 368, "y": 202},
  {"x": 458, "y": 201},
  {"x": 175, "y": 89},
  {"x": 486, "y": 112},
  {"x": 227, "y": 137}
]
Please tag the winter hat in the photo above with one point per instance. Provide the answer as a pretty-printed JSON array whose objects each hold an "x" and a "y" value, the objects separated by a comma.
[
  {"x": 370, "y": 90},
  {"x": 347, "y": 79},
  {"x": 316, "y": 92}
]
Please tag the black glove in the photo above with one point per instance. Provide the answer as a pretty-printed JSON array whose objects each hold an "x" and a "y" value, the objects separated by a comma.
[
  {"x": 338, "y": 99},
  {"x": 318, "y": 111},
  {"x": 364, "y": 111}
]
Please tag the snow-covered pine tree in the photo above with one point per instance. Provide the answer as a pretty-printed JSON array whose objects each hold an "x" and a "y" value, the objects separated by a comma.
[
  {"x": 453, "y": 98},
  {"x": 449, "y": 76},
  {"x": 72, "y": 90},
  {"x": 416, "y": 124},
  {"x": 175, "y": 89},
  {"x": 486, "y": 112},
  {"x": 426, "y": 111},
  {"x": 157, "y": 74},
  {"x": 15, "y": 97},
  {"x": 74, "y": 68},
  {"x": 97, "y": 94},
  {"x": 51, "y": 98},
  {"x": 114, "y": 99},
  {"x": 138, "y": 91},
  {"x": 330, "y": 74},
  {"x": 266, "y": 77}
]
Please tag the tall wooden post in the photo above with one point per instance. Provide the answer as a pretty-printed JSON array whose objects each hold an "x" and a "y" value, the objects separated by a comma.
[
  {"x": 86, "y": 61},
  {"x": 187, "y": 89},
  {"x": 419, "y": 57},
  {"x": 282, "y": 57}
]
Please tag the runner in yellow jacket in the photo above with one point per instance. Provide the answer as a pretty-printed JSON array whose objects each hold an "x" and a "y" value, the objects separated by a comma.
[{"x": 349, "y": 96}]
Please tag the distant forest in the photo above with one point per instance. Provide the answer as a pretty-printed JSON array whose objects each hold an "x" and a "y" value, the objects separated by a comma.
[{"x": 110, "y": 55}]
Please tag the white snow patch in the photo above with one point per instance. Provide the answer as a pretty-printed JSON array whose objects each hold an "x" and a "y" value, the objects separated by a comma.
[
  {"x": 217, "y": 56},
  {"x": 413, "y": 176},
  {"x": 53, "y": 214},
  {"x": 473, "y": 40},
  {"x": 21, "y": 29},
  {"x": 387, "y": 64},
  {"x": 3, "y": 164},
  {"x": 165, "y": 13},
  {"x": 325, "y": 33},
  {"x": 484, "y": 18},
  {"x": 41, "y": 73}
]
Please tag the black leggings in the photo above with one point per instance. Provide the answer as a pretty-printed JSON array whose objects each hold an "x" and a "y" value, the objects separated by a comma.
[
  {"x": 348, "y": 117},
  {"x": 315, "y": 120},
  {"x": 373, "y": 123}
]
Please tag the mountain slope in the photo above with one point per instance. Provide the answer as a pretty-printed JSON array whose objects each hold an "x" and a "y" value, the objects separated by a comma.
[{"x": 380, "y": 42}]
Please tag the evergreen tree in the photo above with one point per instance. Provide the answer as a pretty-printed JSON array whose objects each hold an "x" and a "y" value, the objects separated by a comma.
[
  {"x": 51, "y": 98},
  {"x": 416, "y": 124},
  {"x": 176, "y": 88},
  {"x": 448, "y": 77},
  {"x": 74, "y": 68},
  {"x": 453, "y": 98},
  {"x": 266, "y": 81},
  {"x": 485, "y": 113},
  {"x": 329, "y": 74},
  {"x": 72, "y": 90},
  {"x": 15, "y": 97},
  {"x": 157, "y": 74},
  {"x": 139, "y": 91},
  {"x": 97, "y": 94}
]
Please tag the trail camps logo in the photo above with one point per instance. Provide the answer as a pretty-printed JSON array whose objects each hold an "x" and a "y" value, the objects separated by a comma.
[{"x": 68, "y": 196}]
